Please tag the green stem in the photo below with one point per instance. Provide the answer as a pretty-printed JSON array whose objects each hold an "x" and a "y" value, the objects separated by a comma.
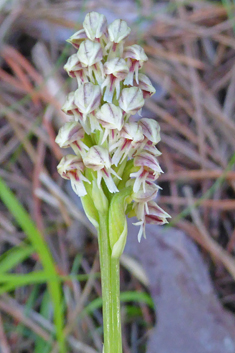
[
  {"x": 115, "y": 290},
  {"x": 105, "y": 269},
  {"x": 110, "y": 290}
]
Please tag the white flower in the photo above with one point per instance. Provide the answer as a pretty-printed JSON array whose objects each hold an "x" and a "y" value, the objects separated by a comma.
[
  {"x": 98, "y": 159},
  {"x": 151, "y": 213},
  {"x": 87, "y": 98},
  {"x": 111, "y": 119},
  {"x": 135, "y": 56},
  {"x": 145, "y": 85},
  {"x": 70, "y": 135},
  {"x": 71, "y": 168},
  {"x": 116, "y": 70},
  {"x": 77, "y": 38},
  {"x": 131, "y": 100},
  {"x": 95, "y": 25}
]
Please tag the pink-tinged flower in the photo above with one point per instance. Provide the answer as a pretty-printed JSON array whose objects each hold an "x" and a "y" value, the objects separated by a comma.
[
  {"x": 69, "y": 105},
  {"x": 145, "y": 85},
  {"x": 135, "y": 56},
  {"x": 149, "y": 194},
  {"x": 87, "y": 98},
  {"x": 70, "y": 135},
  {"x": 77, "y": 38},
  {"x": 111, "y": 119},
  {"x": 90, "y": 55},
  {"x": 116, "y": 70},
  {"x": 148, "y": 172},
  {"x": 118, "y": 31},
  {"x": 98, "y": 159},
  {"x": 70, "y": 108},
  {"x": 74, "y": 68},
  {"x": 150, "y": 213},
  {"x": 131, "y": 100},
  {"x": 131, "y": 139},
  {"x": 151, "y": 130},
  {"x": 71, "y": 168},
  {"x": 95, "y": 25},
  {"x": 150, "y": 148}
]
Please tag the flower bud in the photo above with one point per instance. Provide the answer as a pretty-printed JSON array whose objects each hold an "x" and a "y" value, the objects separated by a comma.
[
  {"x": 87, "y": 98},
  {"x": 131, "y": 100},
  {"x": 95, "y": 25}
]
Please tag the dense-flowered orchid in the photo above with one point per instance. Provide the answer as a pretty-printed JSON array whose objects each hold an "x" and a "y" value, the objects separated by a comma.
[
  {"x": 115, "y": 162},
  {"x": 110, "y": 148}
]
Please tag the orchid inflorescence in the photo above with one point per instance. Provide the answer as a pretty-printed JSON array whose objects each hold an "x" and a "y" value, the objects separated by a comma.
[{"x": 114, "y": 155}]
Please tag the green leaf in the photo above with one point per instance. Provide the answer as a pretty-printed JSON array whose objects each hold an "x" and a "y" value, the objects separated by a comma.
[
  {"x": 118, "y": 222},
  {"x": 90, "y": 210},
  {"x": 14, "y": 256}
]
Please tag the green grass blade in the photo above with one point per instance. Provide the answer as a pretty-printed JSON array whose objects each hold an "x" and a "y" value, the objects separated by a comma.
[
  {"x": 139, "y": 297},
  {"x": 36, "y": 239},
  {"x": 13, "y": 257}
]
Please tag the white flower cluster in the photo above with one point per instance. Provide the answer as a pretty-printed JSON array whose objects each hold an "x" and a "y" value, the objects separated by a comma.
[{"x": 109, "y": 147}]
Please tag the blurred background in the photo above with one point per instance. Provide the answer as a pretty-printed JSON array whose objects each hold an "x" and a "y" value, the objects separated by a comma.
[{"x": 178, "y": 284}]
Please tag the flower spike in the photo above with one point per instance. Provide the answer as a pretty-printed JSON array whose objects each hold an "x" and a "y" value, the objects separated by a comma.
[{"x": 112, "y": 153}]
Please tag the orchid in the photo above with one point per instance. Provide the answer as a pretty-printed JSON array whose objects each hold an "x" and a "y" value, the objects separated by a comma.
[{"x": 115, "y": 162}]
